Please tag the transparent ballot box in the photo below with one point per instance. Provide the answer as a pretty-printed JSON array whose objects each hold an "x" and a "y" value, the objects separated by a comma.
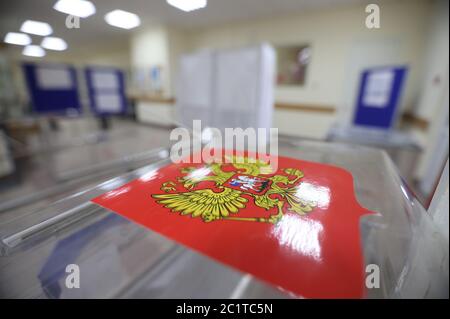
[
  {"x": 118, "y": 258},
  {"x": 402, "y": 147}
]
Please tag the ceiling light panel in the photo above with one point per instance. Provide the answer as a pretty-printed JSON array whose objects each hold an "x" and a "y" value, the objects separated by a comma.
[
  {"x": 122, "y": 19},
  {"x": 36, "y": 28},
  {"x": 17, "y": 38},
  {"x": 78, "y": 8},
  {"x": 188, "y": 5},
  {"x": 53, "y": 43},
  {"x": 33, "y": 51}
]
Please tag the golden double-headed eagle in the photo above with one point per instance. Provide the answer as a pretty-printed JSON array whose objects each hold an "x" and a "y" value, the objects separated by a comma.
[{"x": 225, "y": 204}]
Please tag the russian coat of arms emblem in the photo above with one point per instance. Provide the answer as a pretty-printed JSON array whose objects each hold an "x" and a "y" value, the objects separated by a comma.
[{"x": 219, "y": 191}]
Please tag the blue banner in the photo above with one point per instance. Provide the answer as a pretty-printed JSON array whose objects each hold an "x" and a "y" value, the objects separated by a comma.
[
  {"x": 53, "y": 88},
  {"x": 379, "y": 96},
  {"x": 106, "y": 89}
]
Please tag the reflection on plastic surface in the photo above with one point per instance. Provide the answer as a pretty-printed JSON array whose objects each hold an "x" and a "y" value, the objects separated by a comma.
[
  {"x": 296, "y": 228},
  {"x": 198, "y": 174},
  {"x": 117, "y": 192},
  {"x": 147, "y": 177},
  {"x": 66, "y": 251},
  {"x": 300, "y": 234},
  {"x": 313, "y": 193}
]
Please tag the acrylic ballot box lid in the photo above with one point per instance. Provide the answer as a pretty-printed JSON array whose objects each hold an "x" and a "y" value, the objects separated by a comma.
[
  {"x": 373, "y": 137},
  {"x": 401, "y": 146},
  {"x": 119, "y": 258},
  {"x": 51, "y": 167}
]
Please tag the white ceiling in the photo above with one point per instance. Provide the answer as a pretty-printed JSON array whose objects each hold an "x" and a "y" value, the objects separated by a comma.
[{"x": 95, "y": 30}]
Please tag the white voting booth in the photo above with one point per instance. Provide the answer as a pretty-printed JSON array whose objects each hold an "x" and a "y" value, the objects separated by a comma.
[{"x": 227, "y": 88}]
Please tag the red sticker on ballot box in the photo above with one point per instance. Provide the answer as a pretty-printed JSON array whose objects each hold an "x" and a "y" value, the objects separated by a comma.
[{"x": 296, "y": 227}]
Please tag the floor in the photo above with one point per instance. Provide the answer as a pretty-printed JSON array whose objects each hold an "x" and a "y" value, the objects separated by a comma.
[{"x": 55, "y": 163}]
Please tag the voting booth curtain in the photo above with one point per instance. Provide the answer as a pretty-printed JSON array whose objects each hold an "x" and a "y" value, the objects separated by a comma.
[{"x": 227, "y": 88}]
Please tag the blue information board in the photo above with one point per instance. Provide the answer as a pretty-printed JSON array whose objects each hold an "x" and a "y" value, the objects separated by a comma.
[
  {"x": 106, "y": 89},
  {"x": 53, "y": 88},
  {"x": 379, "y": 96}
]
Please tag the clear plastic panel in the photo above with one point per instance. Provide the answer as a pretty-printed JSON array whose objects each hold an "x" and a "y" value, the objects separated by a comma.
[{"x": 127, "y": 260}]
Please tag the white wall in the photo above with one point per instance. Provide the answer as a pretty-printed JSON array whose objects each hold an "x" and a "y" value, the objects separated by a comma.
[
  {"x": 433, "y": 103},
  {"x": 149, "y": 47},
  {"x": 341, "y": 46},
  {"x": 313, "y": 125},
  {"x": 158, "y": 46},
  {"x": 155, "y": 113},
  {"x": 436, "y": 62},
  {"x": 333, "y": 34}
]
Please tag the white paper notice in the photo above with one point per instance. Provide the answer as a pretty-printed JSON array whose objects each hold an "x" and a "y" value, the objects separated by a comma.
[
  {"x": 105, "y": 80},
  {"x": 53, "y": 78},
  {"x": 108, "y": 102},
  {"x": 378, "y": 88}
]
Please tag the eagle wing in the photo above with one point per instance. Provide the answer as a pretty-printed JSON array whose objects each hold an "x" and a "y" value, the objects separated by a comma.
[{"x": 204, "y": 202}]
